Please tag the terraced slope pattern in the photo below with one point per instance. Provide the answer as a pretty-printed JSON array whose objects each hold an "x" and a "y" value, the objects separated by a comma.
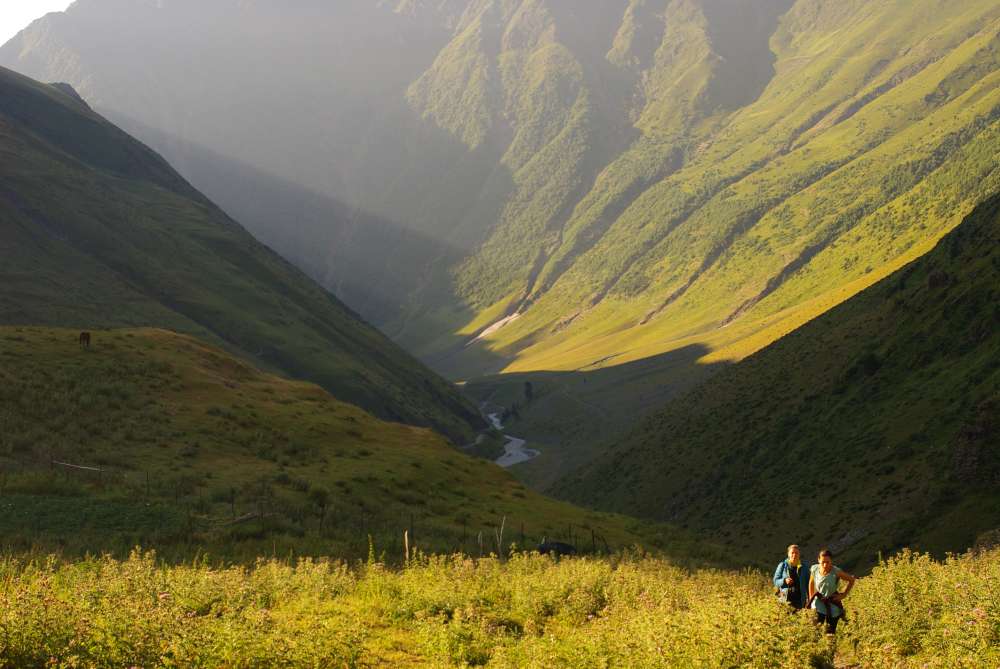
[
  {"x": 627, "y": 178},
  {"x": 876, "y": 425},
  {"x": 98, "y": 231}
]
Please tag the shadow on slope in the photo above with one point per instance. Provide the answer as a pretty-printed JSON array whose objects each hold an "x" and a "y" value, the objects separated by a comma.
[
  {"x": 397, "y": 275},
  {"x": 176, "y": 260},
  {"x": 571, "y": 416},
  {"x": 741, "y": 36},
  {"x": 873, "y": 427},
  {"x": 369, "y": 262}
]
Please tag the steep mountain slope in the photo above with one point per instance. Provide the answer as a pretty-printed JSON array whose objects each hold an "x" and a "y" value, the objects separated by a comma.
[
  {"x": 556, "y": 186},
  {"x": 365, "y": 260},
  {"x": 198, "y": 448},
  {"x": 874, "y": 426},
  {"x": 621, "y": 175},
  {"x": 98, "y": 231}
]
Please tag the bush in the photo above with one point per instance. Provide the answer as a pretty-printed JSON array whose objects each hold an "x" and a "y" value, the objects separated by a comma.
[
  {"x": 527, "y": 611},
  {"x": 916, "y": 612}
]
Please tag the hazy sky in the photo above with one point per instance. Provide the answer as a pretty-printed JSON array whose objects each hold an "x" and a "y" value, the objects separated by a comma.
[{"x": 17, "y": 14}]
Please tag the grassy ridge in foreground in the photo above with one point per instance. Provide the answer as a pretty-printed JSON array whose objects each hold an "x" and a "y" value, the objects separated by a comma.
[
  {"x": 526, "y": 612},
  {"x": 202, "y": 451}
]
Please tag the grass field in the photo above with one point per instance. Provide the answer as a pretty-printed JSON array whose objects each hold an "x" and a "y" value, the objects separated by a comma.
[
  {"x": 197, "y": 450},
  {"x": 523, "y": 611}
]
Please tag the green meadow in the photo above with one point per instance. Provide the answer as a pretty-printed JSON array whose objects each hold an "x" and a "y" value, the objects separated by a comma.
[{"x": 456, "y": 611}]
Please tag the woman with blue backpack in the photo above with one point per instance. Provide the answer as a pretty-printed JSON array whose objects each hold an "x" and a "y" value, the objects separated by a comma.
[{"x": 791, "y": 579}]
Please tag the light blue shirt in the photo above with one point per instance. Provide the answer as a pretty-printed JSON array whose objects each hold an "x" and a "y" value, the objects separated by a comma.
[{"x": 826, "y": 586}]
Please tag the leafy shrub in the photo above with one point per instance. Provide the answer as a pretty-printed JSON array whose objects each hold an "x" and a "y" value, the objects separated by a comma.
[{"x": 526, "y": 611}]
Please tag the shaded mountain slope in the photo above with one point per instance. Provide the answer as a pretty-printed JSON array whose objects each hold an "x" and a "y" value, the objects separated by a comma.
[
  {"x": 872, "y": 427},
  {"x": 98, "y": 231},
  {"x": 365, "y": 260},
  {"x": 199, "y": 448}
]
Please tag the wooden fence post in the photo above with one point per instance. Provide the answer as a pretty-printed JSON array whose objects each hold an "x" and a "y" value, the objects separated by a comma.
[{"x": 499, "y": 537}]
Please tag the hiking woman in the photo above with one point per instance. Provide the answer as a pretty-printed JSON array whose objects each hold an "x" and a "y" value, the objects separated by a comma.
[
  {"x": 824, "y": 582},
  {"x": 791, "y": 579}
]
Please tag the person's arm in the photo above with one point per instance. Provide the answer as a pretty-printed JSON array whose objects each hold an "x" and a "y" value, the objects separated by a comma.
[
  {"x": 779, "y": 578},
  {"x": 812, "y": 587},
  {"x": 844, "y": 576}
]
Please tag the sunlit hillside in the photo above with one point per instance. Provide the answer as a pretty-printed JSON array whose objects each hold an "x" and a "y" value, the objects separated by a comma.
[{"x": 871, "y": 428}]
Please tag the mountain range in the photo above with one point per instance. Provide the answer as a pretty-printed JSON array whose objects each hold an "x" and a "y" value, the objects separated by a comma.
[
  {"x": 707, "y": 255},
  {"x": 592, "y": 183}
]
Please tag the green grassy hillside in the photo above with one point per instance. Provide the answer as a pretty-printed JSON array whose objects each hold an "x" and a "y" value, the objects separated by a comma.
[
  {"x": 617, "y": 184},
  {"x": 98, "y": 231},
  {"x": 457, "y": 612},
  {"x": 737, "y": 204},
  {"x": 633, "y": 179},
  {"x": 190, "y": 448},
  {"x": 872, "y": 427}
]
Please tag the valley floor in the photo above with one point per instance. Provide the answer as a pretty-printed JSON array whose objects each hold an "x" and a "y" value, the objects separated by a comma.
[{"x": 525, "y": 611}]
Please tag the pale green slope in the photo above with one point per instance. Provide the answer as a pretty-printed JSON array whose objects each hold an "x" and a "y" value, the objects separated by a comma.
[{"x": 780, "y": 205}]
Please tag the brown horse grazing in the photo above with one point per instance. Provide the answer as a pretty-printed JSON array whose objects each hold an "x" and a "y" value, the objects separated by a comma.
[{"x": 85, "y": 339}]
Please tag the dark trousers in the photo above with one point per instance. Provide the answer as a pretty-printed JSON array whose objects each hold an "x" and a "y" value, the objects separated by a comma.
[
  {"x": 831, "y": 623},
  {"x": 794, "y": 599}
]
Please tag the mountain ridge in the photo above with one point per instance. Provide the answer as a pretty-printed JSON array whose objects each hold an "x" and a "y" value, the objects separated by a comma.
[{"x": 99, "y": 231}]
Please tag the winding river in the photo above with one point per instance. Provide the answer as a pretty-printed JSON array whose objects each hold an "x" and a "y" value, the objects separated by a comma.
[{"x": 514, "y": 450}]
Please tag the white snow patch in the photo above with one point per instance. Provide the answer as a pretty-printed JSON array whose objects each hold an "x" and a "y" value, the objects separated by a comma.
[{"x": 495, "y": 327}]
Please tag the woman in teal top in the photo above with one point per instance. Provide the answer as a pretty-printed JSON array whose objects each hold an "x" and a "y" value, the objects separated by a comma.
[{"x": 824, "y": 582}]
